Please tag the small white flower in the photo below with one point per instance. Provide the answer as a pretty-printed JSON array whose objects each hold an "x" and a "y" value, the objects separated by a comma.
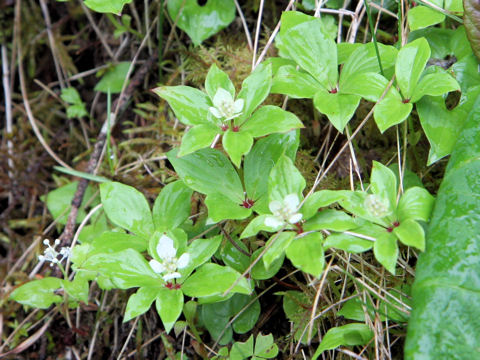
[
  {"x": 284, "y": 212},
  {"x": 169, "y": 265},
  {"x": 376, "y": 206},
  {"x": 51, "y": 255},
  {"x": 225, "y": 107}
]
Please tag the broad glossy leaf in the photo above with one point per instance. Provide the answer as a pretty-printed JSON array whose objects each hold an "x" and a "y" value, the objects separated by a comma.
[
  {"x": 212, "y": 279},
  {"x": 111, "y": 6},
  {"x": 385, "y": 249},
  {"x": 271, "y": 119},
  {"x": 260, "y": 161},
  {"x": 198, "y": 137},
  {"x": 471, "y": 21},
  {"x": 416, "y": 203},
  {"x": 221, "y": 207},
  {"x": 113, "y": 78},
  {"x": 237, "y": 144},
  {"x": 201, "y": 21},
  {"x": 306, "y": 253},
  {"x": 38, "y": 293},
  {"x": 172, "y": 206},
  {"x": 384, "y": 183},
  {"x": 295, "y": 83},
  {"x": 420, "y": 17},
  {"x": 411, "y": 233},
  {"x": 434, "y": 85},
  {"x": 190, "y": 105},
  {"x": 391, "y": 110},
  {"x": 140, "y": 302},
  {"x": 338, "y": 107},
  {"x": 411, "y": 61},
  {"x": 255, "y": 88},
  {"x": 349, "y": 335},
  {"x": 308, "y": 44},
  {"x": 208, "y": 171},
  {"x": 169, "y": 306},
  {"x": 218, "y": 79},
  {"x": 285, "y": 179},
  {"x": 127, "y": 207},
  {"x": 125, "y": 268},
  {"x": 444, "y": 321}
]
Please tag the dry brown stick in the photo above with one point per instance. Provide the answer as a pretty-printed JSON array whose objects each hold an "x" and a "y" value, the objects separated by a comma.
[{"x": 121, "y": 103}]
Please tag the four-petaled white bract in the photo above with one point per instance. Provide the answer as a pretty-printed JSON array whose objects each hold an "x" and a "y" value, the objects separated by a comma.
[
  {"x": 284, "y": 212},
  {"x": 168, "y": 254},
  {"x": 225, "y": 107}
]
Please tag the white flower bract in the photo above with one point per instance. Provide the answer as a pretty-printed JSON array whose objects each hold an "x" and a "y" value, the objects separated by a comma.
[
  {"x": 170, "y": 263},
  {"x": 284, "y": 212},
  {"x": 225, "y": 107}
]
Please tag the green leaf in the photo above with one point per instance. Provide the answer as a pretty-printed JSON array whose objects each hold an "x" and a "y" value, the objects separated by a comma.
[
  {"x": 218, "y": 79},
  {"x": 125, "y": 268},
  {"x": 391, "y": 110},
  {"x": 384, "y": 184},
  {"x": 420, "y": 17},
  {"x": 113, "y": 78},
  {"x": 271, "y": 119},
  {"x": 434, "y": 85},
  {"x": 140, "y": 302},
  {"x": 111, "y": 6},
  {"x": 346, "y": 335},
  {"x": 385, "y": 249},
  {"x": 255, "y": 88},
  {"x": 295, "y": 83},
  {"x": 411, "y": 233},
  {"x": 285, "y": 179},
  {"x": 306, "y": 253},
  {"x": 411, "y": 61},
  {"x": 416, "y": 204},
  {"x": 59, "y": 201},
  {"x": 38, "y": 293},
  {"x": 265, "y": 347},
  {"x": 277, "y": 245},
  {"x": 212, "y": 279},
  {"x": 444, "y": 320},
  {"x": 172, "y": 206},
  {"x": 127, "y": 207},
  {"x": 442, "y": 126},
  {"x": 208, "y": 171},
  {"x": 237, "y": 144},
  {"x": 263, "y": 272},
  {"x": 338, "y": 107},
  {"x": 364, "y": 60},
  {"x": 318, "y": 200},
  {"x": 255, "y": 226},
  {"x": 333, "y": 220},
  {"x": 169, "y": 306},
  {"x": 221, "y": 207},
  {"x": 190, "y": 105},
  {"x": 198, "y": 137},
  {"x": 308, "y": 44},
  {"x": 260, "y": 161},
  {"x": 241, "y": 350},
  {"x": 201, "y": 21}
]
